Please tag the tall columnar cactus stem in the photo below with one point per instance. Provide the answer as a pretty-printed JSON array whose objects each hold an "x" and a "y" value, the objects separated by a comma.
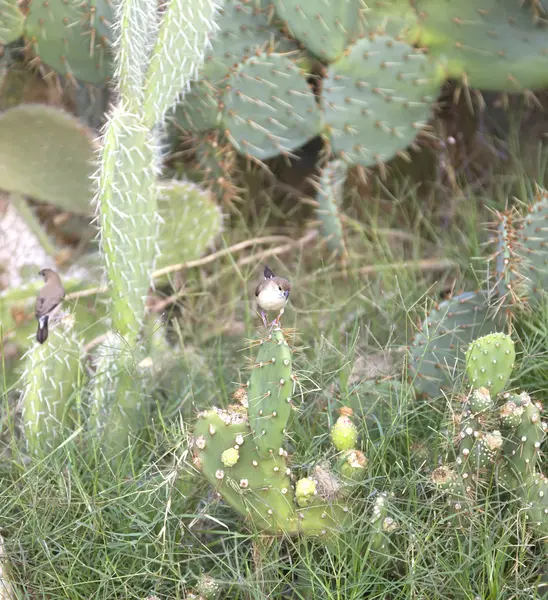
[
  {"x": 489, "y": 362},
  {"x": 269, "y": 394},
  {"x": 53, "y": 375}
]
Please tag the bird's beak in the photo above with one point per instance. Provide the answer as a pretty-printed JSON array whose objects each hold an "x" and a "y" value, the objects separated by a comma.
[{"x": 286, "y": 294}]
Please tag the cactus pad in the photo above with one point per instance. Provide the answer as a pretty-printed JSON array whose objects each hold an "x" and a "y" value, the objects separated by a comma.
[
  {"x": 269, "y": 394},
  {"x": 33, "y": 166},
  {"x": 329, "y": 198},
  {"x": 489, "y": 362},
  {"x": 72, "y": 37},
  {"x": 326, "y": 28},
  {"x": 436, "y": 350},
  {"x": 376, "y": 98},
  {"x": 269, "y": 107},
  {"x": 190, "y": 221},
  {"x": 495, "y": 45},
  {"x": 11, "y": 21},
  {"x": 199, "y": 108}
]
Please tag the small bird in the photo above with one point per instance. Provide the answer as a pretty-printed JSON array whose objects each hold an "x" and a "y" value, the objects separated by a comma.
[
  {"x": 272, "y": 294},
  {"x": 50, "y": 296}
]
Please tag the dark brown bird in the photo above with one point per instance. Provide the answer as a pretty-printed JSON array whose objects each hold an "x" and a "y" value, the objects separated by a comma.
[
  {"x": 272, "y": 294},
  {"x": 50, "y": 296}
]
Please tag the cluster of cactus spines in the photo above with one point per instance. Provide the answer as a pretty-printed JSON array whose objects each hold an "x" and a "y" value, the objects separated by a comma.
[
  {"x": 52, "y": 377},
  {"x": 473, "y": 39},
  {"x": 511, "y": 452},
  {"x": 189, "y": 222},
  {"x": 436, "y": 349},
  {"x": 241, "y": 453},
  {"x": 325, "y": 28},
  {"x": 376, "y": 98},
  {"x": 31, "y": 168},
  {"x": 330, "y": 186},
  {"x": 269, "y": 394},
  {"x": 269, "y": 108},
  {"x": 490, "y": 361},
  {"x": 71, "y": 37}
]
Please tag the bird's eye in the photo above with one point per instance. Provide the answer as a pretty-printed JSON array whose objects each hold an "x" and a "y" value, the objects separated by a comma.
[{"x": 280, "y": 288}]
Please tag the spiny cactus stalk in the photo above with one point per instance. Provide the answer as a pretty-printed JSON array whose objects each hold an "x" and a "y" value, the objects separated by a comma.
[
  {"x": 489, "y": 362},
  {"x": 52, "y": 377},
  {"x": 240, "y": 452},
  {"x": 269, "y": 394},
  {"x": 329, "y": 198}
]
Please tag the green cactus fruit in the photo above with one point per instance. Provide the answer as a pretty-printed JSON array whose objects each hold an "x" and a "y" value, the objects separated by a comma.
[
  {"x": 329, "y": 197},
  {"x": 31, "y": 168},
  {"x": 485, "y": 453},
  {"x": 435, "y": 353},
  {"x": 190, "y": 222},
  {"x": 521, "y": 447},
  {"x": 72, "y": 37},
  {"x": 208, "y": 588},
  {"x": 305, "y": 491},
  {"x": 480, "y": 401},
  {"x": 458, "y": 498},
  {"x": 11, "y": 21},
  {"x": 495, "y": 46},
  {"x": 230, "y": 457},
  {"x": 533, "y": 246},
  {"x": 256, "y": 487},
  {"x": 269, "y": 393},
  {"x": 354, "y": 465},
  {"x": 52, "y": 377},
  {"x": 325, "y": 28},
  {"x": 489, "y": 362},
  {"x": 344, "y": 434},
  {"x": 269, "y": 108},
  {"x": 377, "y": 98},
  {"x": 511, "y": 412}
]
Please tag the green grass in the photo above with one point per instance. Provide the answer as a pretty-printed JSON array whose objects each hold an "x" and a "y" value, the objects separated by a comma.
[{"x": 78, "y": 526}]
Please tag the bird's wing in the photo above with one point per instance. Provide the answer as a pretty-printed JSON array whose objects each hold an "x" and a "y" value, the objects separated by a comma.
[
  {"x": 259, "y": 288},
  {"x": 48, "y": 300}
]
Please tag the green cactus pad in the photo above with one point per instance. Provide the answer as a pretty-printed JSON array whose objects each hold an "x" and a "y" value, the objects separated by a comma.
[
  {"x": 489, "y": 362},
  {"x": 258, "y": 488},
  {"x": 329, "y": 198},
  {"x": 269, "y": 393},
  {"x": 533, "y": 240},
  {"x": 34, "y": 165},
  {"x": 72, "y": 37},
  {"x": 537, "y": 506},
  {"x": 52, "y": 376},
  {"x": 269, "y": 107},
  {"x": 326, "y": 28},
  {"x": 11, "y": 21},
  {"x": 522, "y": 444},
  {"x": 495, "y": 45},
  {"x": 199, "y": 109},
  {"x": 436, "y": 357},
  {"x": 243, "y": 31},
  {"x": 190, "y": 222},
  {"x": 377, "y": 98}
]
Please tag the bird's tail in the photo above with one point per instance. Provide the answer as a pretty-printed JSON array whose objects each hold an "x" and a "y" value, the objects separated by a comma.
[{"x": 42, "y": 331}]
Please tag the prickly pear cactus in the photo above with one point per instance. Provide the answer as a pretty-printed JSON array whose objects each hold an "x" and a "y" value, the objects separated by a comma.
[
  {"x": 489, "y": 362},
  {"x": 493, "y": 46},
  {"x": 11, "y": 21},
  {"x": 436, "y": 353},
  {"x": 344, "y": 434},
  {"x": 330, "y": 187},
  {"x": 376, "y": 99},
  {"x": 53, "y": 375},
  {"x": 326, "y": 28},
  {"x": 72, "y": 37},
  {"x": 269, "y": 108},
  {"x": 269, "y": 394},
  {"x": 248, "y": 466}
]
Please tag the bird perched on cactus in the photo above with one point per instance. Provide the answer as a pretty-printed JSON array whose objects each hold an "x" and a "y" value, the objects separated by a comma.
[
  {"x": 272, "y": 294},
  {"x": 49, "y": 298}
]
